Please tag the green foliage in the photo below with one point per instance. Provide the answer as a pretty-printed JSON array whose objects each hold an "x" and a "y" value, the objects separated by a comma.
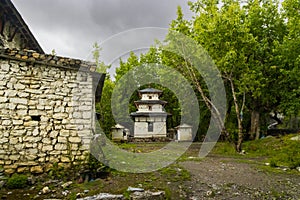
[
  {"x": 126, "y": 194},
  {"x": 168, "y": 193},
  {"x": 175, "y": 173},
  {"x": 278, "y": 151},
  {"x": 57, "y": 172},
  {"x": 101, "y": 67},
  {"x": 104, "y": 109},
  {"x": 137, "y": 66},
  {"x": 72, "y": 196},
  {"x": 254, "y": 44},
  {"x": 95, "y": 166},
  {"x": 17, "y": 181},
  {"x": 53, "y": 52}
]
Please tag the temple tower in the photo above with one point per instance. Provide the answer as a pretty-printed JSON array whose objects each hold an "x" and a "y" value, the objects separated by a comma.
[{"x": 150, "y": 117}]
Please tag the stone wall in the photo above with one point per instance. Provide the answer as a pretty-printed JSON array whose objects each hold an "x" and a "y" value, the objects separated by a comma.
[{"x": 46, "y": 110}]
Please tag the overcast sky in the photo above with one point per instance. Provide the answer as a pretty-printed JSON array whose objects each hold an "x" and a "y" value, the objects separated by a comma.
[{"x": 72, "y": 26}]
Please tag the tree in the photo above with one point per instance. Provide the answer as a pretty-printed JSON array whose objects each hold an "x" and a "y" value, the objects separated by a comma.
[
  {"x": 106, "y": 118},
  {"x": 103, "y": 108},
  {"x": 221, "y": 33},
  {"x": 100, "y": 66},
  {"x": 242, "y": 39}
]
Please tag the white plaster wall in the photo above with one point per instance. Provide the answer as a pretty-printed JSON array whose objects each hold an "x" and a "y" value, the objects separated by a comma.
[
  {"x": 147, "y": 96},
  {"x": 184, "y": 134},
  {"x": 117, "y": 134}
]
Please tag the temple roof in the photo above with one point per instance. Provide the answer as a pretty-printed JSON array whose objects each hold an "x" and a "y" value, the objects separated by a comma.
[
  {"x": 183, "y": 126},
  {"x": 150, "y": 90},
  {"x": 149, "y": 114}
]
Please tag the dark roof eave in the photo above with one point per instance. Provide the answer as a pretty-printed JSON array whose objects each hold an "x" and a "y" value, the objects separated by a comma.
[
  {"x": 149, "y": 114},
  {"x": 22, "y": 26},
  {"x": 150, "y": 102}
]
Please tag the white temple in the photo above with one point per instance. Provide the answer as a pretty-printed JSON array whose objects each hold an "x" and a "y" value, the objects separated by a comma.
[{"x": 150, "y": 117}]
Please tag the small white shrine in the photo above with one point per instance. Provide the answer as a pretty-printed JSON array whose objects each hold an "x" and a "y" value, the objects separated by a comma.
[
  {"x": 184, "y": 133},
  {"x": 150, "y": 117},
  {"x": 119, "y": 132}
]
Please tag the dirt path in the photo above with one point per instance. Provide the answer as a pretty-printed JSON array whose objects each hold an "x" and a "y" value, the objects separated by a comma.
[{"x": 228, "y": 178}]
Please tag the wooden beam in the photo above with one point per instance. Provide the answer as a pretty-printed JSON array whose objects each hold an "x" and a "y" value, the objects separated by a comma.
[
  {"x": 12, "y": 33},
  {"x": 2, "y": 24}
]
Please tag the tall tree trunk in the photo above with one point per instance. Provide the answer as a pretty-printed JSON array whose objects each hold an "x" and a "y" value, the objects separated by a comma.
[
  {"x": 255, "y": 126},
  {"x": 239, "y": 118},
  {"x": 212, "y": 108}
]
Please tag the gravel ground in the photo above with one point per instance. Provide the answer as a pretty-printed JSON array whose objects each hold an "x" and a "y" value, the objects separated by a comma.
[{"x": 228, "y": 178}]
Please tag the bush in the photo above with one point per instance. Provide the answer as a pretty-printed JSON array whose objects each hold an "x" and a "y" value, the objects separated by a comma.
[{"x": 17, "y": 181}]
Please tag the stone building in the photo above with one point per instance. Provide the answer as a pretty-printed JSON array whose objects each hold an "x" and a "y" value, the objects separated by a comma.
[
  {"x": 47, "y": 102},
  {"x": 150, "y": 117}
]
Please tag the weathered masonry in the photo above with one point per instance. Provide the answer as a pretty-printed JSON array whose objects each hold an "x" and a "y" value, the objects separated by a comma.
[
  {"x": 46, "y": 109},
  {"x": 47, "y": 102}
]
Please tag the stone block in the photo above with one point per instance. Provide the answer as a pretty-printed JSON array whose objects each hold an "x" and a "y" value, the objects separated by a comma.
[
  {"x": 19, "y": 101},
  {"x": 46, "y": 141},
  {"x": 21, "y": 112},
  {"x": 5, "y": 67},
  {"x": 40, "y": 107},
  {"x": 62, "y": 139},
  {"x": 74, "y": 139},
  {"x": 3, "y": 99},
  {"x": 32, "y": 139},
  {"x": 3, "y": 140},
  {"x": 47, "y": 148},
  {"x": 33, "y": 91},
  {"x": 86, "y": 115},
  {"x": 33, "y": 102},
  {"x": 60, "y": 146},
  {"x": 36, "y": 169},
  {"x": 31, "y": 157},
  {"x": 35, "y": 132},
  {"x": 77, "y": 115},
  {"x": 12, "y": 106},
  {"x": 17, "y": 132},
  {"x": 29, "y": 163},
  {"x": 54, "y": 152},
  {"x": 11, "y": 93},
  {"x": 6, "y": 122},
  {"x": 22, "y": 169},
  {"x": 64, "y": 133},
  {"x": 17, "y": 122},
  {"x": 35, "y": 112},
  {"x": 19, "y": 86},
  {"x": 71, "y": 127},
  {"x": 9, "y": 171},
  {"x": 14, "y": 157},
  {"x": 65, "y": 159},
  {"x": 28, "y": 145},
  {"x": 13, "y": 141},
  {"x": 74, "y": 147},
  {"x": 60, "y": 115},
  {"x": 31, "y": 123},
  {"x": 53, "y": 134},
  {"x": 19, "y": 146},
  {"x": 22, "y": 107},
  {"x": 23, "y": 94}
]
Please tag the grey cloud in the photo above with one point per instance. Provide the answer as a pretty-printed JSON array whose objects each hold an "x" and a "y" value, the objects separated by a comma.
[{"x": 72, "y": 26}]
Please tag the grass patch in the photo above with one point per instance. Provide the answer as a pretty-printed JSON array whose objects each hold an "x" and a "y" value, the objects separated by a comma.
[
  {"x": 278, "y": 151},
  {"x": 175, "y": 173}
]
